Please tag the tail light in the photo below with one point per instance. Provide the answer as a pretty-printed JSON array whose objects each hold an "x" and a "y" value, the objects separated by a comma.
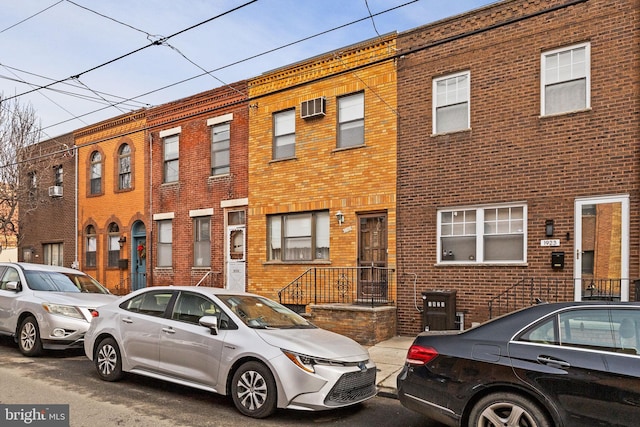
[
  {"x": 94, "y": 312},
  {"x": 418, "y": 355}
]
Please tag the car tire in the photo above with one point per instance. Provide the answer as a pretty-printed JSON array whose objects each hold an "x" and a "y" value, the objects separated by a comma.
[
  {"x": 253, "y": 390},
  {"x": 29, "y": 341},
  {"x": 108, "y": 361},
  {"x": 507, "y": 409}
]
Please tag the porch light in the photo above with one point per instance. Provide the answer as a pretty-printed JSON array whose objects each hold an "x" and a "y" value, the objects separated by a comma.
[
  {"x": 122, "y": 240},
  {"x": 340, "y": 217}
]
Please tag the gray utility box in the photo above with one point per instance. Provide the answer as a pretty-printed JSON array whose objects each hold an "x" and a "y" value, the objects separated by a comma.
[{"x": 439, "y": 310}]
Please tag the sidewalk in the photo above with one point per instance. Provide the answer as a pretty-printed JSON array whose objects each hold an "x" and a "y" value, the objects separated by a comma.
[{"x": 389, "y": 357}]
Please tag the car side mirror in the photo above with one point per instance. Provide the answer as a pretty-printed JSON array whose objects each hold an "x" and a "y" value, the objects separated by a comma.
[
  {"x": 13, "y": 286},
  {"x": 210, "y": 322}
]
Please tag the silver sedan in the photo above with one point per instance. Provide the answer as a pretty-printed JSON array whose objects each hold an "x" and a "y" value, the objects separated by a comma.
[{"x": 257, "y": 351}]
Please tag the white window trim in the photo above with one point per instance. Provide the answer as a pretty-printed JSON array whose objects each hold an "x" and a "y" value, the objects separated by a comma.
[
  {"x": 480, "y": 234},
  {"x": 170, "y": 132},
  {"x": 201, "y": 212},
  {"x": 165, "y": 215},
  {"x": 434, "y": 101},
  {"x": 220, "y": 119},
  {"x": 543, "y": 56}
]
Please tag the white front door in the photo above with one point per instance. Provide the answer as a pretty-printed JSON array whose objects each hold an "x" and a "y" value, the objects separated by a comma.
[
  {"x": 236, "y": 257},
  {"x": 601, "y": 267}
]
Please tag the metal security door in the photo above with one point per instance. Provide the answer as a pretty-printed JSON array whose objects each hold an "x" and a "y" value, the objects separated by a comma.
[{"x": 236, "y": 251}]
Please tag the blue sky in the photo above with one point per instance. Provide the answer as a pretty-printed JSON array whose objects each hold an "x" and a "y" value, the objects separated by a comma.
[{"x": 45, "y": 41}]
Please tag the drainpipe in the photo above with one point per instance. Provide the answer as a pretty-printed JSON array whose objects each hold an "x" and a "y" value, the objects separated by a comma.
[{"x": 76, "y": 264}]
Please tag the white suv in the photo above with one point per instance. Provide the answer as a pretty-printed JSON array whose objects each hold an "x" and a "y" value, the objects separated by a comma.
[{"x": 47, "y": 307}]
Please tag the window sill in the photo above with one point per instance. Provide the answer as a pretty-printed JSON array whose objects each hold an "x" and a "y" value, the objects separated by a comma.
[
  {"x": 283, "y": 263},
  {"x": 284, "y": 159},
  {"x": 453, "y": 132},
  {"x": 481, "y": 264},
  {"x": 565, "y": 113},
  {"x": 353, "y": 147}
]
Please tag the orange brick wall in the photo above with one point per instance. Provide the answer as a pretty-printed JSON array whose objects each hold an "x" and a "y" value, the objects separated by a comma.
[
  {"x": 121, "y": 207},
  {"x": 355, "y": 180}
]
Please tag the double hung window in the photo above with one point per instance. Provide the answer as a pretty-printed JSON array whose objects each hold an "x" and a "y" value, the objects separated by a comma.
[
  {"x": 284, "y": 134},
  {"x": 451, "y": 103},
  {"x": 171, "y": 150},
  {"x": 566, "y": 80},
  {"x": 220, "y": 156},
  {"x": 351, "y": 120},
  {"x": 165, "y": 245}
]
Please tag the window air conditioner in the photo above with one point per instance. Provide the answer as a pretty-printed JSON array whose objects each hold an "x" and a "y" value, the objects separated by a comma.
[
  {"x": 55, "y": 191},
  {"x": 313, "y": 108}
]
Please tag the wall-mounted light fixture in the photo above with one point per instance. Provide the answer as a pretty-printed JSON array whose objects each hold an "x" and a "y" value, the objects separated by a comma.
[
  {"x": 122, "y": 240},
  {"x": 548, "y": 228},
  {"x": 340, "y": 217}
]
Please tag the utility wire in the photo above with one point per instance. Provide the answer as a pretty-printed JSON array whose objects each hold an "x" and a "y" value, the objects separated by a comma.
[
  {"x": 26, "y": 19},
  {"x": 371, "y": 16},
  {"x": 155, "y": 43}
]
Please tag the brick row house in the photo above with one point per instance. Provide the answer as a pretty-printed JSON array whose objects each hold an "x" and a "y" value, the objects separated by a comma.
[
  {"x": 483, "y": 157},
  {"x": 519, "y": 157}
]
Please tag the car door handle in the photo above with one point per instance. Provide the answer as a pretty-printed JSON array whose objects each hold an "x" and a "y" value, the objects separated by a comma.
[
  {"x": 548, "y": 360},
  {"x": 169, "y": 330},
  {"x": 127, "y": 320}
]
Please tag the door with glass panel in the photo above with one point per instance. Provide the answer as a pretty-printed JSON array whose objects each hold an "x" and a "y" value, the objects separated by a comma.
[
  {"x": 236, "y": 252},
  {"x": 601, "y": 268},
  {"x": 372, "y": 257}
]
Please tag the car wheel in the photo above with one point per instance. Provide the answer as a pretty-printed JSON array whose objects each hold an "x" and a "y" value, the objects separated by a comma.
[
  {"x": 107, "y": 360},
  {"x": 29, "y": 341},
  {"x": 507, "y": 410},
  {"x": 253, "y": 390}
]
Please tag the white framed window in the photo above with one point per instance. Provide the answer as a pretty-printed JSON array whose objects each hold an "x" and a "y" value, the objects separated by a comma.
[
  {"x": 165, "y": 243},
  {"x": 220, "y": 143},
  {"x": 202, "y": 241},
  {"x": 566, "y": 80},
  {"x": 96, "y": 173},
  {"x": 284, "y": 134},
  {"x": 451, "y": 103},
  {"x": 487, "y": 234},
  {"x": 171, "y": 160},
  {"x": 351, "y": 120},
  {"x": 298, "y": 236},
  {"x": 91, "y": 246}
]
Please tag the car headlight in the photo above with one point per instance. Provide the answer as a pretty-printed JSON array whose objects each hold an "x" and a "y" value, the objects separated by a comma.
[
  {"x": 302, "y": 361},
  {"x": 63, "y": 310}
]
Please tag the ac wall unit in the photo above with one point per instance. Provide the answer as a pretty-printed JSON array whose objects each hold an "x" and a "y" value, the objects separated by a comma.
[
  {"x": 55, "y": 191},
  {"x": 313, "y": 108}
]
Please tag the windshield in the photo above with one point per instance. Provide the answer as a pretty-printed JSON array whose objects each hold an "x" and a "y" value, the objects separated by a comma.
[
  {"x": 262, "y": 313},
  {"x": 63, "y": 282}
]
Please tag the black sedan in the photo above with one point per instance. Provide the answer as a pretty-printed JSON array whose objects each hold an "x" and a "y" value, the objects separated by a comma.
[{"x": 563, "y": 364}]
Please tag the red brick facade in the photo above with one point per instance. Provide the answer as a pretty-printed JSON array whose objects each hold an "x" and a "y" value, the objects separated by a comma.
[
  {"x": 511, "y": 153},
  {"x": 196, "y": 193}
]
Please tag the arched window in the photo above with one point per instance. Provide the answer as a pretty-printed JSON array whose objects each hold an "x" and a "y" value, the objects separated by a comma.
[
  {"x": 124, "y": 167},
  {"x": 96, "y": 173},
  {"x": 90, "y": 246},
  {"x": 114, "y": 245}
]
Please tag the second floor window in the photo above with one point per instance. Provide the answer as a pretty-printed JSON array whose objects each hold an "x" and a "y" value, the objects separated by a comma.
[
  {"x": 298, "y": 237},
  {"x": 202, "y": 241},
  {"x": 58, "y": 175},
  {"x": 351, "y": 120},
  {"x": 451, "y": 103},
  {"x": 165, "y": 246},
  {"x": 565, "y": 80},
  {"x": 124, "y": 167},
  {"x": 171, "y": 150},
  {"x": 220, "y": 149},
  {"x": 96, "y": 173},
  {"x": 90, "y": 246},
  {"x": 284, "y": 134}
]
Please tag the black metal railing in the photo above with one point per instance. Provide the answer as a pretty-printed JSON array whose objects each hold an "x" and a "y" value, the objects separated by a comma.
[
  {"x": 530, "y": 291},
  {"x": 347, "y": 285}
]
